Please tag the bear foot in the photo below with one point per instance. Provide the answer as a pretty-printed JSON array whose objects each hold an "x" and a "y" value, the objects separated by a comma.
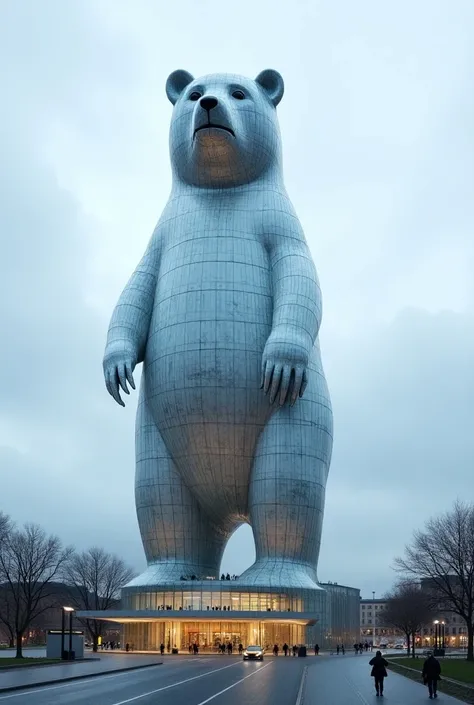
[
  {"x": 280, "y": 572},
  {"x": 168, "y": 573}
]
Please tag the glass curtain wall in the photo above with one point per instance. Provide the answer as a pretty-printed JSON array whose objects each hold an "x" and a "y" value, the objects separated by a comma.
[
  {"x": 210, "y": 600},
  {"x": 209, "y": 636}
]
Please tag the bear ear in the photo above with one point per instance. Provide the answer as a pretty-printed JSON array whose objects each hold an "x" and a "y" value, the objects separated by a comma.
[
  {"x": 272, "y": 83},
  {"x": 176, "y": 83}
]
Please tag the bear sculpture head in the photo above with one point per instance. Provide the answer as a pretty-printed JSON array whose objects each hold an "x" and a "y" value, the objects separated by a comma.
[{"x": 224, "y": 130}]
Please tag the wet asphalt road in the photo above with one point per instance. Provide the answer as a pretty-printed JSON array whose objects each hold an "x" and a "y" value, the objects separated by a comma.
[
  {"x": 327, "y": 680},
  {"x": 190, "y": 681}
]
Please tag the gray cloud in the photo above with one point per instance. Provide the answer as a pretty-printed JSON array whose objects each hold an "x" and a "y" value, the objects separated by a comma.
[{"x": 376, "y": 124}]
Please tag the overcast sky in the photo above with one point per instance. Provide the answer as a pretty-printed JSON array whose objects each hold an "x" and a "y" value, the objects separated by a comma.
[{"x": 377, "y": 124}]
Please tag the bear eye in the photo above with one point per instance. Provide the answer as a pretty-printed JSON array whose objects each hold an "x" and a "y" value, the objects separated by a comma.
[
  {"x": 195, "y": 95},
  {"x": 239, "y": 95}
]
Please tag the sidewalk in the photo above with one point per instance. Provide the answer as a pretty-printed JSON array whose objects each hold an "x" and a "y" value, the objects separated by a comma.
[{"x": 27, "y": 677}]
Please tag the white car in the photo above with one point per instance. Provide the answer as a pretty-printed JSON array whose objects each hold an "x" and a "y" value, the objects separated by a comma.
[{"x": 253, "y": 652}]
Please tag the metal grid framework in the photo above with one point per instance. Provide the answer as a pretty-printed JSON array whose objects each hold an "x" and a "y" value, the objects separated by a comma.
[{"x": 225, "y": 299}]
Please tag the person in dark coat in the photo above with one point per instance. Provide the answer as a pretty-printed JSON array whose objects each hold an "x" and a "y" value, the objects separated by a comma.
[
  {"x": 379, "y": 671},
  {"x": 431, "y": 675}
]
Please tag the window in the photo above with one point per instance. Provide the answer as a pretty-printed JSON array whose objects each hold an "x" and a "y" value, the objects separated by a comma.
[
  {"x": 369, "y": 621},
  {"x": 363, "y": 607}
]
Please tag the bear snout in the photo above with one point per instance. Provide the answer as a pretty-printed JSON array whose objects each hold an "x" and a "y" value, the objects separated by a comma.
[
  {"x": 210, "y": 112},
  {"x": 208, "y": 102}
]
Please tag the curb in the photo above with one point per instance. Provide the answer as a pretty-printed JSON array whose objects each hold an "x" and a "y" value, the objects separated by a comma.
[
  {"x": 12, "y": 688},
  {"x": 21, "y": 666}
]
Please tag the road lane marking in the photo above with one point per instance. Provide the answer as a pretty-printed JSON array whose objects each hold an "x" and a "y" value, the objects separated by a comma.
[
  {"x": 258, "y": 670},
  {"x": 173, "y": 685},
  {"x": 76, "y": 681},
  {"x": 299, "y": 697},
  {"x": 357, "y": 691}
]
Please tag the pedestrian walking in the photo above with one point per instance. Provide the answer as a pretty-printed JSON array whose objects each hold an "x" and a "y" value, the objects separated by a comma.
[
  {"x": 343, "y": 649},
  {"x": 337, "y": 650},
  {"x": 285, "y": 648},
  {"x": 316, "y": 650},
  {"x": 431, "y": 675},
  {"x": 379, "y": 672}
]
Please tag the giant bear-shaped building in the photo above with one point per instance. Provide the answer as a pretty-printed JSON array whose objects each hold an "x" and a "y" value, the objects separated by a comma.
[{"x": 234, "y": 419}]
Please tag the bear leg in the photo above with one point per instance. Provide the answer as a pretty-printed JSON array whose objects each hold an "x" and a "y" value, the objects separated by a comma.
[
  {"x": 287, "y": 490},
  {"x": 178, "y": 538}
]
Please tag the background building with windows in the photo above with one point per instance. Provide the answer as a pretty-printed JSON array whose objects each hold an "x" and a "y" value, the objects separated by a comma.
[{"x": 373, "y": 628}]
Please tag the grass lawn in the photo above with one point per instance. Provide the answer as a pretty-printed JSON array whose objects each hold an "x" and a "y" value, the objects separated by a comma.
[
  {"x": 19, "y": 662},
  {"x": 458, "y": 669}
]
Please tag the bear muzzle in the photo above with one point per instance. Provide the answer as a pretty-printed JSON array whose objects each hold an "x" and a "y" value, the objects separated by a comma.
[
  {"x": 210, "y": 114},
  {"x": 211, "y": 125}
]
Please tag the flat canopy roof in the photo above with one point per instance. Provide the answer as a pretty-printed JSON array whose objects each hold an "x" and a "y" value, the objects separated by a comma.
[{"x": 125, "y": 616}]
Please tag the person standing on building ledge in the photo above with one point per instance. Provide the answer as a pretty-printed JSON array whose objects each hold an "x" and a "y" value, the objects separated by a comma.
[
  {"x": 431, "y": 675},
  {"x": 379, "y": 672}
]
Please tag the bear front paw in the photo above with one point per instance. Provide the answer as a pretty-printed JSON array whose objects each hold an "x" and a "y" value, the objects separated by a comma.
[
  {"x": 284, "y": 369},
  {"x": 119, "y": 362}
]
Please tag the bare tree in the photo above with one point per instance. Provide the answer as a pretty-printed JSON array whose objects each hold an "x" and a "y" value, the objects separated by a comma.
[
  {"x": 443, "y": 555},
  {"x": 95, "y": 578},
  {"x": 6, "y": 526},
  {"x": 7, "y": 613},
  {"x": 407, "y": 609},
  {"x": 29, "y": 562}
]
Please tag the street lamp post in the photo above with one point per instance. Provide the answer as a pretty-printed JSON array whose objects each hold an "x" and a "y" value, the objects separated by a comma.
[
  {"x": 63, "y": 628},
  {"x": 63, "y": 617},
  {"x": 374, "y": 623},
  {"x": 439, "y": 637}
]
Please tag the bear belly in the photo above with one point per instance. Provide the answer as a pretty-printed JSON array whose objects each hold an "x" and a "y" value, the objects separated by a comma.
[{"x": 202, "y": 379}]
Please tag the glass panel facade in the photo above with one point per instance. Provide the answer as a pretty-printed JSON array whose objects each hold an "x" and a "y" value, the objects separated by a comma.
[
  {"x": 209, "y": 636},
  {"x": 334, "y": 608},
  {"x": 206, "y": 600}
]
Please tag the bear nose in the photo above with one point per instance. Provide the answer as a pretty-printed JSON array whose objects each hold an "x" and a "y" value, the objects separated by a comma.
[{"x": 208, "y": 102}]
